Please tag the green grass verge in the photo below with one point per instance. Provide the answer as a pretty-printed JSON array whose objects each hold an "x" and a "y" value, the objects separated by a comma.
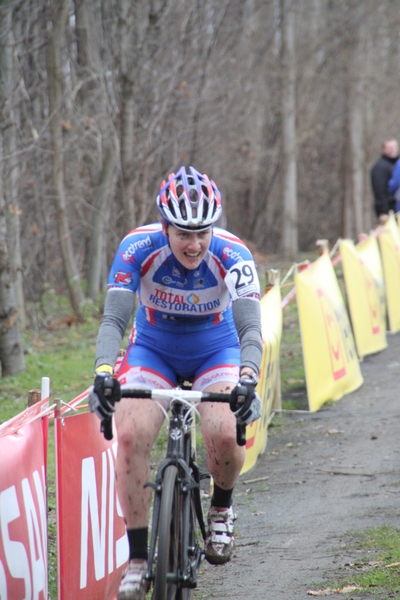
[
  {"x": 293, "y": 379},
  {"x": 375, "y": 571}
]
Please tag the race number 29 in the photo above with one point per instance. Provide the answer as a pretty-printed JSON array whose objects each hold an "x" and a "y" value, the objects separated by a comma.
[{"x": 242, "y": 280}]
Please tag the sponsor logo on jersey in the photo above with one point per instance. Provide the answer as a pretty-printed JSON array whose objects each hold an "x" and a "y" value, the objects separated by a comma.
[
  {"x": 227, "y": 252},
  {"x": 133, "y": 246},
  {"x": 167, "y": 280},
  {"x": 193, "y": 299},
  {"x": 217, "y": 375},
  {"x": 181, "y": 303},
  {"x": 122, "y": 277}
]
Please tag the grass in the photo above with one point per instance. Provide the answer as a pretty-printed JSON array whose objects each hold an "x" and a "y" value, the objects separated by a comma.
[
  {"x": 66, "y": 356},
  {"x": 293, "y": 380},
  {"x": 376, "y": 570}
]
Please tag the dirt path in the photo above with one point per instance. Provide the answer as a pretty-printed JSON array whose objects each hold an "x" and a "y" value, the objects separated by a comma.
[{"x": 330, "y": 472}]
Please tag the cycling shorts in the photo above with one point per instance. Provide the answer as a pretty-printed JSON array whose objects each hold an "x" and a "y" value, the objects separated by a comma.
[{"x": 147, "y": 369}]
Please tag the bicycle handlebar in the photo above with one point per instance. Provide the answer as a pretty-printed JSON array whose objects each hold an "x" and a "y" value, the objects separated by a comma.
[
  {"x": 187, "y": 395},
  {"x": 106, "y": 424},
  {"x": 175, "y": 393}
]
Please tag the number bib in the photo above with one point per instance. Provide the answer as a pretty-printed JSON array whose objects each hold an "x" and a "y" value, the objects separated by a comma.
[{"x": 242, "y": 280}]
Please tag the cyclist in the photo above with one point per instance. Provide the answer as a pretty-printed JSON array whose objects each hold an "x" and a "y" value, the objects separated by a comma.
[{"x": 198, "y": 318}]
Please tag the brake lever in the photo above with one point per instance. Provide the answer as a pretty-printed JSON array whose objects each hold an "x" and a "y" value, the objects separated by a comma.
[
  {"x": 241, "y": 435},
  {"x": 106, "y": 429}
]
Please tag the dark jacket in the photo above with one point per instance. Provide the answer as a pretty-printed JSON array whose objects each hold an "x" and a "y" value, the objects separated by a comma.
[{"x": 381, "y": 172}]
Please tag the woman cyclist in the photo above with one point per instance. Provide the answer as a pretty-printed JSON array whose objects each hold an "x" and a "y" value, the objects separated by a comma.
[{"x": 198, "y": 318}]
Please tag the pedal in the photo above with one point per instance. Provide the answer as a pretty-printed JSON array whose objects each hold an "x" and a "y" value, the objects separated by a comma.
[{"x": 204, "y": 476}]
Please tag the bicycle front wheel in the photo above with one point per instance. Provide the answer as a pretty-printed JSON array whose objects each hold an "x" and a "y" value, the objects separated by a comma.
[{"x": 168, "y": 538}]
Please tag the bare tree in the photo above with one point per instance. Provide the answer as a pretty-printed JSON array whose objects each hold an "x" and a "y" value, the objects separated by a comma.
[
  {"x": 135, "y": 89},
  {"x": 93, "y": 101},
  {"x": 55, "y": 79},
  {"x": 11, "y": 351},
  {"x": 289, "y": 243},
  {"x": 128, "y": 42},
  {"x": 354, "y": 220},
  {"x": 9, "y": 75}
]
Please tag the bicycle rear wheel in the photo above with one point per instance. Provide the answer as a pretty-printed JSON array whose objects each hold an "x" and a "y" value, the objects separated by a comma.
[{"x": 168, "y": 538}]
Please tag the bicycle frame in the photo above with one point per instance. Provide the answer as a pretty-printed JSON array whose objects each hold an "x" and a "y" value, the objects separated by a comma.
[{"x": 179, "y": 453}]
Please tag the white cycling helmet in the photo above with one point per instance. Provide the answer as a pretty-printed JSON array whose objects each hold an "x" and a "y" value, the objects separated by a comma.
[{"x": 189, "y": 201}]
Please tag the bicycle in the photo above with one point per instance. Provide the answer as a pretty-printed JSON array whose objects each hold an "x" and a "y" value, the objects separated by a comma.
[{"x": 175, "y": 550}]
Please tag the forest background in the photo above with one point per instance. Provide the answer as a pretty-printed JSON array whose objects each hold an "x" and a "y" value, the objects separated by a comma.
[{"x": 283, "y": 103}]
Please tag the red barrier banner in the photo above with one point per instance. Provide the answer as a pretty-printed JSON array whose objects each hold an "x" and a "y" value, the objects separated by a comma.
[
  {"x": 92, "y": 543},
  {"x": 23, "y": 514}
]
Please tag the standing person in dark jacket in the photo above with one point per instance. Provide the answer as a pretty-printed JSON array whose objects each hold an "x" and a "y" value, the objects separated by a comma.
[{"x": 381, "y": 172}]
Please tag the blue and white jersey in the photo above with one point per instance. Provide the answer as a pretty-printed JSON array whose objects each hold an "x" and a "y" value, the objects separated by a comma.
[{"x": 172, "y": 297}]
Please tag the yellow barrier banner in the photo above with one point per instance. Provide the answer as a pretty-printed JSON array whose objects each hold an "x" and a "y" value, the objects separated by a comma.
[
  {"x": 365, "y": 288},
  {"x": 271, "y": 324},
  {"x": 330, "y": 357},
  {"x": 389, "y": 242}
]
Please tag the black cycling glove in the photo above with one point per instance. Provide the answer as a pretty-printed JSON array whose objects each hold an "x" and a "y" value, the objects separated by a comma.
[
  {"x": 245, "y": 402},
  {"x": 105, "y": 393}
]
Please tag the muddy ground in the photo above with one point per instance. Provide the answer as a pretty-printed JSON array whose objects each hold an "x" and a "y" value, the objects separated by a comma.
[{"x": 329, "y": 473}]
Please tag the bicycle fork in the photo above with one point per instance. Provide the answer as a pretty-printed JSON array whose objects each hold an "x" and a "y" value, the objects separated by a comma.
[{"x": 190, "y": 552}]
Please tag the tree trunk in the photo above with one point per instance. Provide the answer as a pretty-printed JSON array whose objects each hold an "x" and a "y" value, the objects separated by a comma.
[
  {"x": 127, "y": 111},
  {"x": 289, "y": 243},
  {"x": 101, "y": 211},
  {"x": 11, "y": 352},
  {"x": 8, "y": 75},
  {"x": 12, "y": 359},
  {"x": 55, "y": 78},
  {"x": 354, "y": 212},
  {"x": 88, "y": 58}
]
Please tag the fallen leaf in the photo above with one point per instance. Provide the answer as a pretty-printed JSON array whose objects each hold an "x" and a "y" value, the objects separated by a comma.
[
  {"x": 330, "y": 592},
  {"x": 376, "y": 563},
  {"x": 264, "y": 478},
  {"x": 396, "y": 564},
  {"x": 347, "y": 589}
]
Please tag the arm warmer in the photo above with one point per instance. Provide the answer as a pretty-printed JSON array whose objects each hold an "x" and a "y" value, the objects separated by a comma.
[
  {"x": 118, "y": 311},
  {"x": 247, "y": 318}
]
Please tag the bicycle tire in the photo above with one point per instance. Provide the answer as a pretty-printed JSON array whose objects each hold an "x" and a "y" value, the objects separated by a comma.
[
  {"x": 187, "y": 593},
  {"x": 168, "y": 537}
]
